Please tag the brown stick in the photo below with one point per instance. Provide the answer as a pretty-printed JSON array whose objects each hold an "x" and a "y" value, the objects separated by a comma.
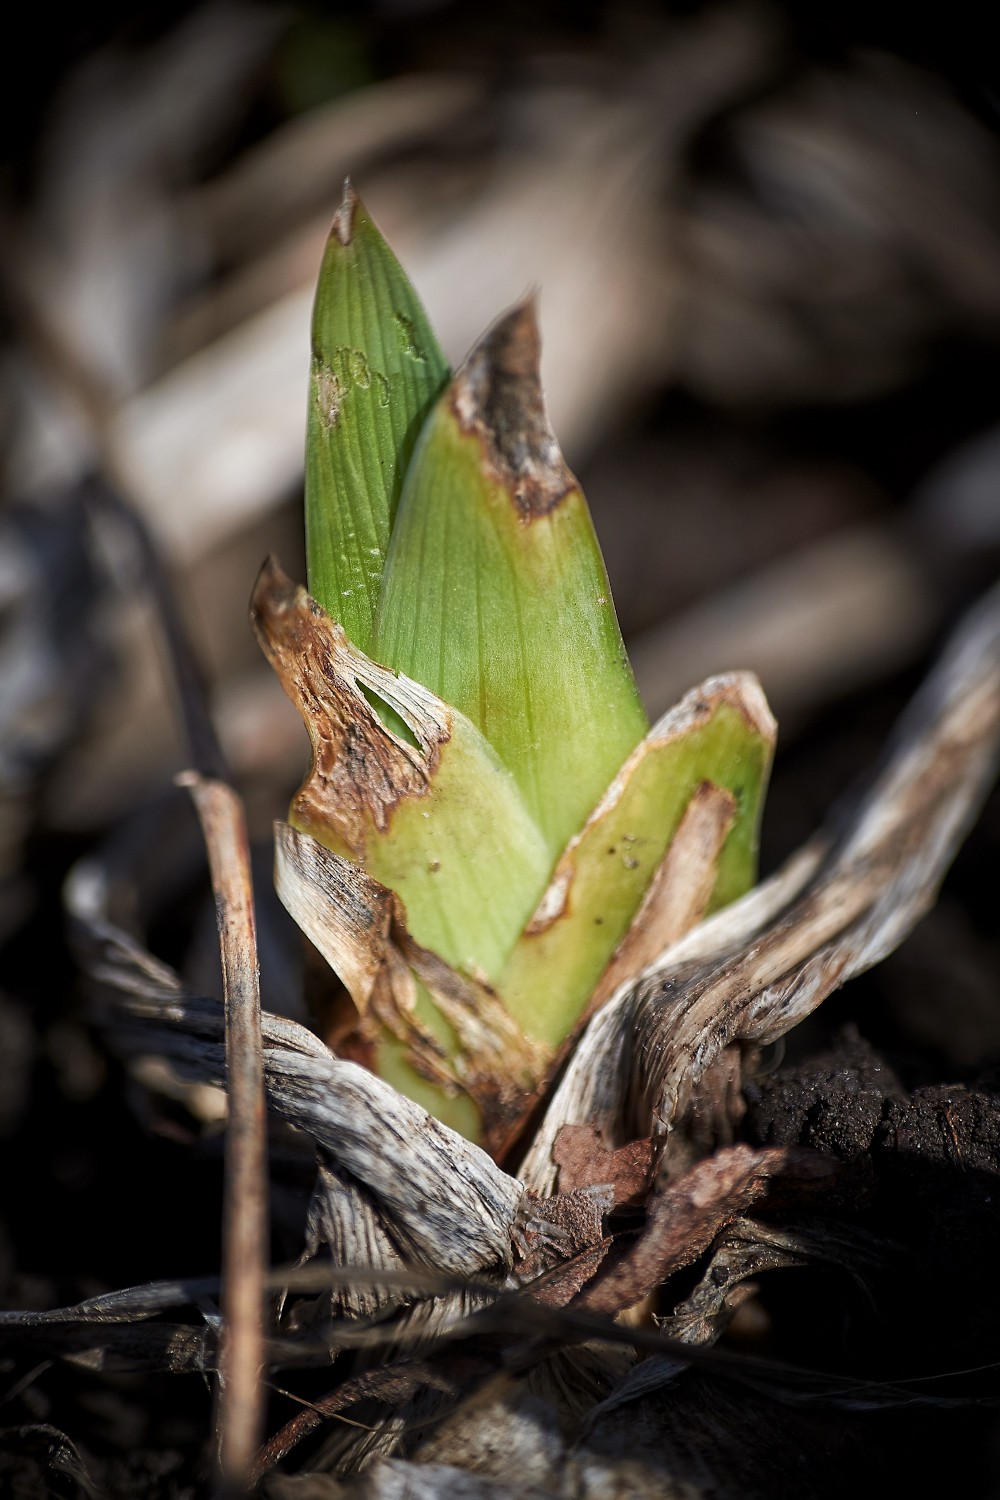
[{"x": 244, "y": 1211}]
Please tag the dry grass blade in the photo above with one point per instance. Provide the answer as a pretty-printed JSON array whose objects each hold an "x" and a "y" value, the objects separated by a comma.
[
  {"x": 757, "y": 968},
  {"x": 245, "y": 1214}
]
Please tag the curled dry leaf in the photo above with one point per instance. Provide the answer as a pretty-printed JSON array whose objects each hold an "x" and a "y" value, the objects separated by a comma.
[
  {"x": 748, "y": 1247},
  {"x": 563, "y": 1242}
]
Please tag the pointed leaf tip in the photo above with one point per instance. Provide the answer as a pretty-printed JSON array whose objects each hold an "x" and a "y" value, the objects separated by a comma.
[
  {"x": 343, "y": 219},
  {"x": 497, "y": 395},
  {"x": 273, "y": 590},
  {"x": 495, "y": 594},
  {"x": 376, "y": 370}
]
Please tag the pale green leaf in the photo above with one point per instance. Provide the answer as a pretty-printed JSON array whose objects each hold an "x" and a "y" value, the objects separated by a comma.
[
  {"x": 721, "y": 734},
  {"x": 495, "y": 594},
  {"x": 376, "y": 370},
  {"x": 440, "y": 821}
]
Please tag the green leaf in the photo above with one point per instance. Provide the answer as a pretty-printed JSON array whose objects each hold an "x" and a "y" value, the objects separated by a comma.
[
  {"x": 495, "y": 594},
  {"x": 721, "y": 734},
  {"x": 376, "y": 370}
]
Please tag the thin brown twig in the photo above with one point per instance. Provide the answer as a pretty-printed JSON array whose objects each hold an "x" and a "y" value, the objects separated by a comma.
[{"x": 244, "y": 1212}]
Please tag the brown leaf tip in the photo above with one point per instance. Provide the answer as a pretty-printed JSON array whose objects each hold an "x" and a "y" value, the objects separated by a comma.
[
  {"x": 360, "y": 772},
  {"x": 741, "y": 691},
  {"x": 497, "y": 395},
  {"x": 343, "y": 219},
  {"x": 273, "y": 592}
]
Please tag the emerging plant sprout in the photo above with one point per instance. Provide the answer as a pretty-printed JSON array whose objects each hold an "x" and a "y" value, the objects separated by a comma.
[{"x": 490, "y": 837}]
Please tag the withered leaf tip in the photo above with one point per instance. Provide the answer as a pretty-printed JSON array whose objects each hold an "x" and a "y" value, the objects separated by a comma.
[
  {"x": 498, "y": 395},
  {"x": 343, "y": 219}
]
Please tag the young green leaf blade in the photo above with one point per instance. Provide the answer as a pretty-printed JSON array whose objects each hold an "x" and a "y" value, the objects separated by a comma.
[
  {"x": 376, "y": 370},
  {"x": 721, "y": 734},
  {"x": 495, "y": 594}
]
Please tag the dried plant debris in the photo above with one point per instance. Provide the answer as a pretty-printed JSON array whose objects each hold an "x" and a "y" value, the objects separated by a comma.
[
  {"x": 745, "y": 1250},
  {"x": 39, "y": 1459},
  {"x": 582, "y": 1160},
  {"x": 686, "y": 1215},
  {"x": 397, "y": 1190}
]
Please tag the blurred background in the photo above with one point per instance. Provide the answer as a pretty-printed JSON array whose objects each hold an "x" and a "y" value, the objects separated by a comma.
[
  {"x": 766, "y": 240},
  {"x": 767, "y": 247}
]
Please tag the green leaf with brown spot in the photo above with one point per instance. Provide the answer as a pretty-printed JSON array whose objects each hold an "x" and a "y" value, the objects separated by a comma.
[
  {"x": 495, "y": 594},
  {"x": 436, "y": 817},
  {"x": 376, "y": 371}
]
